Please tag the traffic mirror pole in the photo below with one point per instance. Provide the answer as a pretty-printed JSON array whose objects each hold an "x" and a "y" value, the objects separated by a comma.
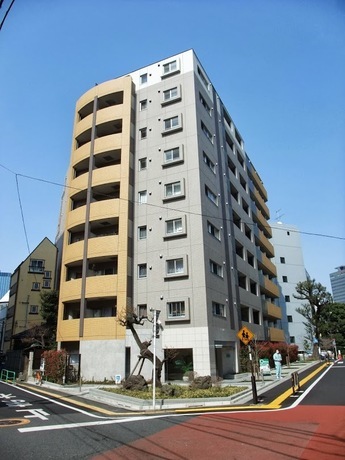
[{"x": 255, "y": 394}]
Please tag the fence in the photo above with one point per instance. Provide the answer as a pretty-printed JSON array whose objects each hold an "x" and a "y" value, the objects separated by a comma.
[{"x": 8, "y": 376}]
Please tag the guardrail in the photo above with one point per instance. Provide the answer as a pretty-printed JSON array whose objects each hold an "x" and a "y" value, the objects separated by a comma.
[
  {"x": 8, "y": 376},
  {"x": 295, "y": 382}
]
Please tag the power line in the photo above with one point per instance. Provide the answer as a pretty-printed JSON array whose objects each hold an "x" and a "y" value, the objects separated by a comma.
[
  {"x": 8, "y": 10},
  {"x": 321, "y": 235}
]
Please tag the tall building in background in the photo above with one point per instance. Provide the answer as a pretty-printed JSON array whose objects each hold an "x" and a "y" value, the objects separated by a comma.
[
  {"x": 5, "y": 279},
  {"x": 164, "y": 210},
  {"x": 338, "y": 284},
  {"x": 291, "y": 270}
]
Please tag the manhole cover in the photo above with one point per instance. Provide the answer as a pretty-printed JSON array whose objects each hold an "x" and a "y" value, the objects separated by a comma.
[{"x": 13, "y": 421}]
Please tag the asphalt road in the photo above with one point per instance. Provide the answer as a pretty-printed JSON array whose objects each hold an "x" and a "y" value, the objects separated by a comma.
[{"x": 307, "y": 425}]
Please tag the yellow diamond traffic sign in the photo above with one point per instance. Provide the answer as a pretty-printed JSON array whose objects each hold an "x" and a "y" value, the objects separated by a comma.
[{"x": 245, "y": 335}]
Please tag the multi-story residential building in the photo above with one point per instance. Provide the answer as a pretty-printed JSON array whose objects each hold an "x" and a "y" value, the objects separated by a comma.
[
  {"x": 34, "y": 274},
  {"x": 164, "y": 210},
  {"x": 289, "y": 261},
  {"x": 338, "y": 284},
  {"x": 3, "y": 313}
]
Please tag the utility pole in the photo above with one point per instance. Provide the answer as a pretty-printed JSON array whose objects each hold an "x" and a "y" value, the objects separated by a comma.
[{"x": 155, "y": 319}]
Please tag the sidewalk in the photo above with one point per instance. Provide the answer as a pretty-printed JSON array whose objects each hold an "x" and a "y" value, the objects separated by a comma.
[{"x": 95, "y": 392}]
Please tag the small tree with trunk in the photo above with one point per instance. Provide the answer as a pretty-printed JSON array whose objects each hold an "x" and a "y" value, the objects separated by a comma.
[
  {"x": 317, "y": 299},
  {"x": 130, "y": 319}
]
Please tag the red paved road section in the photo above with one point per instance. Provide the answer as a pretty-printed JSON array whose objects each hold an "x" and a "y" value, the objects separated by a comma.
[{"x": 305, "y": 432}]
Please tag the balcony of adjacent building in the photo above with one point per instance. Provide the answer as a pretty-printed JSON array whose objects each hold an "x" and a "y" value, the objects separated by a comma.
[
  {"x": 262, "y": 223},
  {"x": 266, "y": 265},
  {"x": 260, "y": 203},
  {"x": 268, "y": 287},
  {"x": 275, "y": 335},
  {"x": 257, "y": 182},
  {"x": 263, "y": 243},
  {"x": 271, "y": 311}
]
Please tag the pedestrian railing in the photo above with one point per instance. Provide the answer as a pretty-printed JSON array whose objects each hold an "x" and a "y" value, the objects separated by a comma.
[
  {"x": 295, "y": 382},
  {"x": 8, "y": 376}
]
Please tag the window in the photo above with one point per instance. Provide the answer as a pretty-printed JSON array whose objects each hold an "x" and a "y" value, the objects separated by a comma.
[
  {"x": 256, "y": 317},
  {"x": 204, "y": 103},
  {"x": 285, "y": 279},
  {"x": 216, "y": 269},
  {"x": 202, "y": 77},
  {"x": 142, "y": 310},
  {"x": 176, "y": 309},
  {"x": 47, "y": 274},
  {"x": 46, "y": 284},
  {"x": 209, "y": 162},
  {"x": 143, "y": 104},
  {"x": 211, "y": 196},
  {"x": 292, "y": 339},
  {"x": 170, "y": 67},
  {"x": 218, "y": 309},
  {"x": 212, "y": 230},
  {"x": 253, "y": 287},
  {"x": 172, "y": 124},
  {"x": 142, "y": 232},
  {"x": 206, "y": 132},
  {"x": 36, "y": 266},
  {"x": 174, "y": 226},
  {"x": 142, "y": 270},
  {"x": 171, "y": 155},
  {"x": 175, "y": 266},
  {"x": 289, "y": 318},
  {"x": 142, "y": 164},
  {"x": 287, "y": 298},
  {"x": 245, "y": 314},
  {"x": 143, "y": 133},
  {"x": 172, "y": 190},
  {"x": 171, "y": 95},
  {"x": 33, "y": 310},
  {"x": 282, "y": 260},
  {"x": 143, "y": 78},
  {"x": 35, "y": 286},
  {"x": 142, "y": 197}
]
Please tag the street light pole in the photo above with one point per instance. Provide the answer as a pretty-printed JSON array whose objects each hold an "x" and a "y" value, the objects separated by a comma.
[{"x": 155, "y": 318}]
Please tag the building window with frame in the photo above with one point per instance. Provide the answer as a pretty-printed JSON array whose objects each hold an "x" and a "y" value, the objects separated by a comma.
[
  {"x": 172, "y": 155},
  {"x": 47, "y": 274},
  {"x": 142, "y": 164},
  {"x": 171, "y": 95},
  {"x": 211, "y": 196},
  {"x": 142, "y": 270},
  {"x": 143, "y": 78},
  {"x": 142, "y": 232},
  {"x": 287, "y": 298},
  {"x": 204, "y": 104},
  {"x": 142, "y": 197},
  {"x": 170, "y": 68},
  {"x": 282, "y": 260},
  {"x": 203, "y": 78},
  {"x": 209, "y": 162},
  {"x": 33, "y": 310},
  {"x": 143, "y": 105},
  {"x": 289, "y": 318},
  {"x": 212, "y": 230},
  {"x": 174, "y": 226},
  {"x": 172, "y": 124},
  {"x": 285, "y": 279},
  {"x": 206, "y": 132},
  {"x": 36, "y": 266},
  {"x": 143, "y": 133},
  {"x": 175, "y": 267},
  {"x": 176, "y": 309},
  {"x": 36, "y": 286},
  {"x": 173, "y": 190},
  {"x": 46, "y": 284},
  {"x": 218, "y": 309},
  {"x": 142, "y": 310},
  {"x": 216, "y": 269}
]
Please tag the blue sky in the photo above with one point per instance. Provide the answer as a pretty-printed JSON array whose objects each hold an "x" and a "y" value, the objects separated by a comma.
[{"x": 278, "y": 65}]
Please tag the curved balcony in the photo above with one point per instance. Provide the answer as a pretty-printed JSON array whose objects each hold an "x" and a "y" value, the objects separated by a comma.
[
  {"x": 103, "y": 329},
  {"x": 101, "y": 286},
  {"x": 104, "y": 209},
  {"x": 74, "y": 252},
  {"x": 103, "y": 246},
  {"x": 106, "y": 175},
  {"x": 79, "y": 183},
  {"x": 76, "y": 217},
  {"x": 104, "y": 115},
  {"x": 68, "y": 330}
]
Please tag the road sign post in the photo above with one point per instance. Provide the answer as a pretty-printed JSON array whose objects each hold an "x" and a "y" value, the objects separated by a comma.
[{"x": 246, "y": 336}]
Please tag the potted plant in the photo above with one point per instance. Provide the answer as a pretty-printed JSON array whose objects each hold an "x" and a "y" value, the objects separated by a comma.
[{"x": 186, "y": 368}]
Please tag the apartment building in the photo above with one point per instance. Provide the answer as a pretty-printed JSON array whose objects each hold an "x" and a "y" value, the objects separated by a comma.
[
  {"x": 34, "y": 274},
  {"x": 163, "y": 211},
  {"x": 289, "y": 261}
]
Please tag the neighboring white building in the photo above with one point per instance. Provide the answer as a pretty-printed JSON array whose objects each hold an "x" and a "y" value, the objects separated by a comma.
[{"x": 290, "y": 270}]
